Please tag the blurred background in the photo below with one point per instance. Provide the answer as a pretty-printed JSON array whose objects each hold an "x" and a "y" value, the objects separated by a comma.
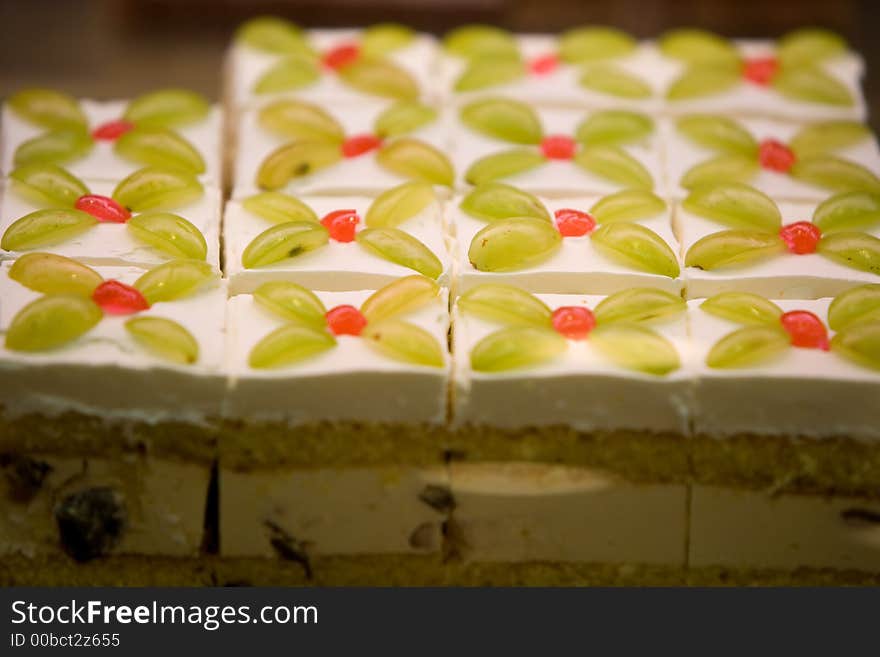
[{"x": 118, "y": 48}]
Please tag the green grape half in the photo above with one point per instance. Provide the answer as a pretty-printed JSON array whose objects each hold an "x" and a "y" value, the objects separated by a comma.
[
  {"x": 176, "y": 279},
  {"x": 517, "y": 243},
  {"x": 152, "y": 188},
  {"x": 48, "y": 273},
  {"x": 504, "y": 119},
  {"x": 627, "y": 205},
  {"x": 45, "y": 228},
  {"x": 296, "y": 119},
  {"x": 719, "y": 133},
  {"x": 43, "y": 182},
  {"x": 293, "y": 303},
  {"x": 730, "y": 248},
  {"x": 696, "y": 46},
  {"x": 383, "y": 38},
  {"x": 701, "y": 81},
  {"x": 808, "y": 46},
  {"x": 404, "y": 342},
  {"x": 857, "y": 250},
  {"x": 860, "y": 344},
  {"x": 160, "y": 147},
  {"x": 401, "y": 248},
  {"x": 279, "y": 208},
  {"x": 402, "y": 118},
  {"x": 636, "y": 347},
  {"x": 828, "y": 136},
  {"x": 616, "y": 165},
  {"x": 55, "y": 146},
  {"x": 836, "y": 174},
  {"x": 293, "y": 72},
  {"x": 614, "y": 127},
  {"x": 637, "y": 247},
  {"x": 479, "y": 41},
  {"x": 282, "y": 241},
  {"x": 164, "y": 338},
  {"x": 594, "y": 43},
  {"x": 812, "y": 84},
  {"x": 288, "y": 345},
  {"x": 503, "y": 165},
  {"x": 505, "y": 304},
  {"x": 170, "y": 233},
  {"x": 380, "y": 77},
  {"x": 398, "y": 204},
  {"x": 400, "y": 297},
  {"x": 719, "y": 170},
  {"x": 489, "y": 72},
  {"x": 296, "y": 159},
  {"x": 273, "y": 35},
  {"x": 614, "y": 81},
  {"x": 494, "y": 200},
  {"x": 416, "y": 160},
  {"x": 848, "y": 211},
  {"x": 743, "y": 308},
  {"x": 637, "y": 305},
  {"x": 51, "y": 322},
  {"x": 735, "y": 205},
  {"x": 167, "y": 108},
  {"x": 856, "y": 305},
  {"x": 748, "y": 346},
  {"x": 48, "y": 109},
  {"x": 516, "y": 347}
]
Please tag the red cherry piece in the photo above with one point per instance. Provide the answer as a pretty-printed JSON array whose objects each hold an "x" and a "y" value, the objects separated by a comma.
[
  {"x": 341, "y": 224},
  {"x": 801, "y": 237},
  {"x": 574, "y": 223},
  {"x": 806, "y": 330},
  {"x": 573, "y": 322},
  {"x": 341, "y": 56},
  {"x": 360, "y": 144},
  {"x": 558, "y": 147},
  {"x": 544, "y": 64},
  {"x": 112, "y": 130},
  {"x": 117, "y": 298},
  {"x": 103, "y": 208},
  {"x": 345, "y": 320},
  {"x": 776, "y": 156},
  {"x": 760, "y": 70}
]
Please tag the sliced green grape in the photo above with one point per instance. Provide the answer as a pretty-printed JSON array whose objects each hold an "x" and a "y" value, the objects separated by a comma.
[
  {"x": 636, "y": 347},
  {"x": 383, "y": 38},
  {"x": 516, "y": 243},
  {"x": 164, "y": 338},
  {"x": 167, "y": 108},
  {"x": 593, "y": 43},
  {"x": 48, "y": 183},
  {"x": 698, "y": 47},
  {"x": 635, "y": 246},
  {"x": 292, "y": 302},
  {"x": 614, "y": 81},
  {"x": 478, "y": 41},
  {"x": 48, "y": 273},
  {"x": 614, "y": 127},
  {"x": 515, "y": 348},
  {"x": 504, "y": 119},
  {"x": 503, "y": 165},
  {"x": 828, "y": 136},
  {"x": 294, "y": 160},
  {"x": 398, "y": 204},
  {"x": 735, "y": 205},
  {"x": 856, "y": 250},
  {"x": 855, "y": 306},
  {"x": 292, "y": 72},
  {"x": 494, "y": 200},
  {"x": 730, "y": 248},
  {"x": 400, "y": 297},
  {"x": 282, "y": 241},
  {"x": 51, "y": 322},
  {"x": 290, "y": 344},
  {"x": 505, "y": 304},
  {"x": 719, "y": 170},
  {"x": 278, "y": 208},
  {"x": 44, "y": 228},
  {"x": 401, "y": 248},
  {"x": 56, "y": 146},
  {"x": 299, "y": 120},
  {"x": 638, "y": 304},
  {"x": 49, "y": 109},
  {"x": 489, "y": 72},
  {"x": 274, "y": 35},
  {"x": 416, "y": 160},
  {"x": 404, "y": 117},
  {"x": 860, "y": 344},
  {"x": 627, "y": 205},
  {"x": 700, "y": 81},
  {"x": 812, "y": 84},
  {"x": 835, "y": 174},
  {"x": 720, "y": 133},
  {"x": 170, "y": 233},
  {"x": 404, "y": 342},
  {"x": 616, "y": 165},
  {"x": 743, "y": 308},
  {"x": 848, "y": 211},
  {"x": 748, "y": 346},
  {"x": 808, "y": 46},
  {"x": 152, "y": 188},
  {"x": 160, "y": 147},
  {"x": 174, "y": 280},
  {"x": 380, "y": 77}
]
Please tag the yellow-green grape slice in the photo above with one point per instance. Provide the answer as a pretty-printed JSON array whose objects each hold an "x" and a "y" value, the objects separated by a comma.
[
  {"x": 836, "y": 174},
  {"x": 380, "y": 77},
  {"x": 51, "y": 322},
  {"x": 515, "y": 348},
  {"x": 400, "y": 297},
  {"x": 152, "y": 188},
  {"x": 627, "y": 205},
  {"x": 743, "y": 308},
  {"x": 292, "y": 302},
  {"x": 505, "y": 304},
  {"x": 614, "y": 127},
  {"x": 292, "y": 72},
  {"x": 735, "y": 205},
  {"x": 811, "y": 84},
  {"x": 635, "y": 347},
  {"x": 590, "y": 44},
  {"x": 614, "y": 81},
  {"x": 48, "y": 273},
  {"x": 49, "y": 109},
  {"x": 750, "y": 345},
  {"x": 402, "y": 118},
  {"x": 404, "y": 342},
  {"x": 282, "y": 241},
  {"x": 719, "y": 133},
  {"x": 174, "y": 280},
  {"x": 856, "y": 250},
  {"x": 478, "y": 41},
  {"x": 637, "y": 247},
  {"x": 272, "y": 34},
  {"x": 719, "y": 170},
  {"x": 701, "y": 81},
  {"x": 855, "y": 306},
  {"x": 729, "y": 248},
  {"x": 299, "y": 120},
  {"x": 160, "y": 147},
  {"x": 808, "y": 46},
  {"x": 170, "y": 233},
  {"x": 698, "y": 47},
  {"x": 47, "y": 183},
  {"x": 493, "y": 201},
  {"x": 416, "y": 160},
  {"x": 859, "y": 343},
  {"x": 55, "y": 146},
  {"x": 616, "y": 165},
  {"x": 828, "y": 136},
  {"x": 166, "y": 108},
  {"x": 848, "y": 211},
  {"x": 638, "y": 304},
  {"x": 294, "y": 160},
  {"x": 383, "y": 38},
  {"x": 398, "y": 204},
  {"x": 504, "y": 119},
  {"x": 516, "y": 243},
  {"x": 44, "y": 228},
  {"x": 164, "y": 338},
  {"x": 279, "y": 208},
  {"x": 489, "y": 72},
  {"x": 290, "y": 344},
  {"x": 503, "y": 165},
  {"x": 401, "y": 248}
]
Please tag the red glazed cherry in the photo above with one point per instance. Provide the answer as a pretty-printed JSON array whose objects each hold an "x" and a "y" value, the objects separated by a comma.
[
  {"x": 806, "y": 330},
  {"x": 574, "y": 223},
  {"x": 360, "y": 144},
  {"x": 112, "y": 130},
  {"x": 573, "y": 322},
  {"x": 760, "y": 70},
  {"x": 544, "y": 64},
  {"x": 341, "y": 224},
  {"x": 117, "y": 298},
  {"x": 801, "y": 237},
  {"x": 558, "y": 147},
  {"x": 776, "y": 156},
  {"x": 103, "y": 208},
  {"x": 345, "y": 320},
  {"x": 341, "y": 56}
]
